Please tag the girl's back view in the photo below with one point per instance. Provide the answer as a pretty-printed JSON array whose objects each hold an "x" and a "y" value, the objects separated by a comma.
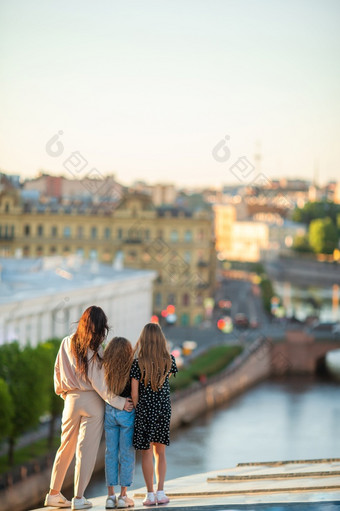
[{"x": 150, "y": 391}]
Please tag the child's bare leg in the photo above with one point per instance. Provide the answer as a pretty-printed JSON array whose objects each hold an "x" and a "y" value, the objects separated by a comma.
[
  {"x": 123, "y": 490},
  {"x": 147, "y": 467},
  {"x": 160, "y": 464},
  {"x": 110, "y": 490}
]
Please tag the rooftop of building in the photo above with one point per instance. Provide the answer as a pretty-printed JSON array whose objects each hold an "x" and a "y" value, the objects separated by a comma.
[
  {"x": 22, "y": 279},
  {"x": 304, "y": 485},
  {"x": 32, "y": 201}
]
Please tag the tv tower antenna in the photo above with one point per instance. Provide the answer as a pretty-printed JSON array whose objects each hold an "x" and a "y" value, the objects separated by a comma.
[
  {"x": 316, "y": 173},
  {"x": 258, "y": 156}
]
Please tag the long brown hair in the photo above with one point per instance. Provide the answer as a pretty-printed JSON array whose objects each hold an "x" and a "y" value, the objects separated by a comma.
[
  {"x": 117, "y": 361},
  {"x": 91, "y": 332},
  {"x": 153, "y": 355}
]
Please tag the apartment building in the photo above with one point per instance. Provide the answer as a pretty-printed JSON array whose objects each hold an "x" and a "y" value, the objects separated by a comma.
[{"x": 177, "y": 243}]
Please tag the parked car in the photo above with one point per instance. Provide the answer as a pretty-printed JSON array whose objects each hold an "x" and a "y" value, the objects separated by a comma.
[{"x": 241, "y": 320}]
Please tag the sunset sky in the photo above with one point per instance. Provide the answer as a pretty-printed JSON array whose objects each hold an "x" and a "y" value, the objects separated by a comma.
[{"x": 146, "y": 89}]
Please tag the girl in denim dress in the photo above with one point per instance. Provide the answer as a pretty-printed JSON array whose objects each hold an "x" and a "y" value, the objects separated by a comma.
[{"x": 118, "y": 424}]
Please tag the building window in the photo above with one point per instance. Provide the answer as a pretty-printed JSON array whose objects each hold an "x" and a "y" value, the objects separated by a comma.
[
  {"x": 200, "y": 235},
  {"x": 26, "y": 251},
  {"x": 67, "y": 250},
  {"x": 187, "y": 257},
  {"x": 199, "y": 299},
  {"x": 39, "y": 251},
  {"x": 53, "y": 250},
  {"x": 198, "y": 319},
  {"x": 93, "y": 254},
  {"x": 134, "y": 234},
  {"x": 93, "y": 233},
  {"x": 67, "y": 231},
  {"x": 146, "y": 257},
  {"x": 160, "y": 234},
  {"x": 119, "y": 233},
  {"x": 200, "y": 257},
  {"x": 131, "y": 256},
  {"x": 147, "y": 234},
  {"x": 28, "y": 329},
  {"x": 7, "y": 207},
  {"x": 27, "y": 230},
  {"x": 80, "y": 232},
  {"x": 185, "y": 319},
  {"x": 54, "y": 231},
  {"x": 40, "y": 230},
  {"x": 158, "y": 300},
  {"x": 171, "y": 299},
  {"x": 186, "y": 299},
  {"x": 174, "y": 236},
  {"x": 188, "y": 236},
  {"x": 118, "y": 260},
  {"x": 107, "y": 233}
]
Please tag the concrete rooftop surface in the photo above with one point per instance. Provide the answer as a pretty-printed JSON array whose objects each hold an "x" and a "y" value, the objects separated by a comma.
[
  {"x": 272, "y": 486},
  {"x": 30, "y": 278}
]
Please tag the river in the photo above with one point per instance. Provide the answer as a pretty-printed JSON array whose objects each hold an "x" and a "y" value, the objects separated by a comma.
[{"x": 295, "y": 418}]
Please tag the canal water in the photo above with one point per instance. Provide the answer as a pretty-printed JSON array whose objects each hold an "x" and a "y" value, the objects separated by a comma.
[{"x": 295, "y": 418}]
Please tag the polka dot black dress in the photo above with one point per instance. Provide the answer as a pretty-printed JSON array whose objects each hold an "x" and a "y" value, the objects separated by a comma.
[{"x": 153, "y": 412}]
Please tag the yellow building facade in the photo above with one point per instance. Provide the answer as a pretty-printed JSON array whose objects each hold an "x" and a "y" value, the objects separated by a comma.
[
  {"x": 176, "y": 243},
  {"x": 239, "y": 240}
]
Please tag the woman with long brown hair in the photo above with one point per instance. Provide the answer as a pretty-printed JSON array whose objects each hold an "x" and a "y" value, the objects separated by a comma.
[
  {"x": 118, "y": 424},
  {"x": 79, "y": 380},
  {"x": 150, "y": 392}
]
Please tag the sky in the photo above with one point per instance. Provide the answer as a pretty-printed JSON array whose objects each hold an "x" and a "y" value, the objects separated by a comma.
[{"x": 147, "y": 90}]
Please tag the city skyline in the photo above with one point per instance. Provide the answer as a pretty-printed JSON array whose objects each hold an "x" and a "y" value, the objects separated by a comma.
[{"x": 147, "y": 91}]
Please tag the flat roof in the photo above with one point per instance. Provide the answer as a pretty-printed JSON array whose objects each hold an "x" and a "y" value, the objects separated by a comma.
[
  {"x": 22, "y": 279},
  {"x": 295, "y": 485}
]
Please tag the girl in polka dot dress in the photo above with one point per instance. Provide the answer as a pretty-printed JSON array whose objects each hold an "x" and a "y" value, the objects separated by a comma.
[{"x": 150, "y": 393}]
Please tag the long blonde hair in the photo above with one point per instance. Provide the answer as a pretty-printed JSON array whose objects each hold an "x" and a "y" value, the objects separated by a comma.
[
  {"x": 117, "y": 361},
  {"x": 153, "y": 356}
]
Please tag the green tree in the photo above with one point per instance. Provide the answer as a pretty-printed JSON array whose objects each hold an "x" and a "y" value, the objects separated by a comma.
[
  {"x": 55, "y": 403},
  {"x": 301, "y": 244},
  {"x": 323, "y": 236},
  {"x": 313, "y": 210},
  {"x": 267, "y": 293},
  {"x": 7, "y": 411},
  {"x": 23, "y": 371}
]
